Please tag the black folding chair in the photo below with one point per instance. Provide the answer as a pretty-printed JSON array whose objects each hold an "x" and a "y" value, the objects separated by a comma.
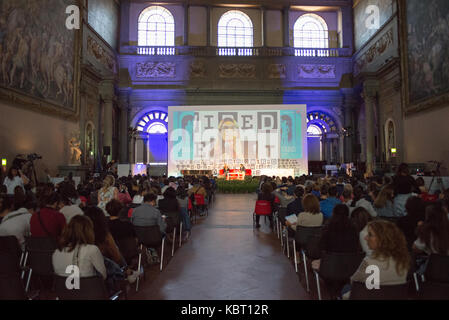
[
  {"x": 337, "y": 267},
  {"x": 359, "y": 291},
  {"x": 303, "y": 236},
  {"x": 38, "y": 255},
  {"x": 175, "y": 219},
  {"x": 90, "y": 288},
  {"x": 128, "y": 248},
  {"x": 435, "y": 281},
  {"x": 150, "y": 237},
  {"x": 11, "y": 285}
]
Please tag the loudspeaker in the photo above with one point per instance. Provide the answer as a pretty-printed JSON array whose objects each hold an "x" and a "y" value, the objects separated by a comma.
[
  {"x": 106, "y": 150},
  {"x": 358, "y": 149}
]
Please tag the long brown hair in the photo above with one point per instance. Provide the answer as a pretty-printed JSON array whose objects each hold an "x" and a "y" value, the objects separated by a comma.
[
  {"x": 79, "y": 231},
  {"x": 386, "y": 194},
  {"x": 435, "y": 230},
  {"x": 311, "y": 204},
  {"x": 391, "y": 243}
]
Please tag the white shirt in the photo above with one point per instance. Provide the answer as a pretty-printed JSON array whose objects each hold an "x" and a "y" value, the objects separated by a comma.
[
  {"x": 12, "y": 184},
  {"x": 70, "y": 211},
  {"x": 16, "y": 223},
  {"x": 138, "y": 199},
  {"x": 90, "y": 260},
  {"x": 363, "y": 243},
  {"x": 364, "y": 204}
]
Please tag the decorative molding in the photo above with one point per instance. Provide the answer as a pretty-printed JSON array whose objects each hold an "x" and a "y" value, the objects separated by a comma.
[
  {"x": 233, "y": 71},
  {"x": 316, "y": 71},
  {"x": 197, "y": 69},
  {"x": 277, "y": 71},
  {"x": 96, "y": 50},
  {"x": 373, "y": 52},
  {"x": 155, "y": 70}
]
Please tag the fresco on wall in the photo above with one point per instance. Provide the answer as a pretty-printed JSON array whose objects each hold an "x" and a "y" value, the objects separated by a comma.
[
  {"x": 36, "y": 50},
  {"x": 103, "y": 16},
  {"x": 428, "y": 48},
  {"x": 364, "y": 25}
]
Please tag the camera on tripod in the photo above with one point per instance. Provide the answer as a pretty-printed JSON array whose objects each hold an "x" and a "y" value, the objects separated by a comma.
[{"x": 33, "y": 156}]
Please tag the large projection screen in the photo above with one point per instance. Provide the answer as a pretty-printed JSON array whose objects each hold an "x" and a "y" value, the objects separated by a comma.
[{"x": 268, "y": 139}]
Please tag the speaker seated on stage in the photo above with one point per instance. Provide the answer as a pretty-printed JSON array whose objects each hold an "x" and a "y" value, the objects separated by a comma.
[
  {"x": 225, "y": 169},
  {"x": 242, "y": 168}
]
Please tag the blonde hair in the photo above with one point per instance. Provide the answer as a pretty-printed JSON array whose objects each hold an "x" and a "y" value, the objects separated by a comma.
[{"x": 108, "y": 182}]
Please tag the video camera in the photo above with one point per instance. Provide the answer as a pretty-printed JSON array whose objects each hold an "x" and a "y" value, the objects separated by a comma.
[{"x": 33, "y": 156}]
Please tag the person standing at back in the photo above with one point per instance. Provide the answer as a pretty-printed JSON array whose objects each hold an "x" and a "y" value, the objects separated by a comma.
[{"x": 15, "y": 178}]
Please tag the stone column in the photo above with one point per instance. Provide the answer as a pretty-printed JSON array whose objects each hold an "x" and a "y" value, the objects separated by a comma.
[
  {"x": 107, "y": 95},
  {"x": 263, "y": 12},
  {"x": 370, "y": 97},
  {"x": 286, "y": 26},
  {"x": 186, "y": 24},
  {"x": 208, "y": 9},
  {"x": 124, "y": 125},
  {"x": 349, "y": 102}
]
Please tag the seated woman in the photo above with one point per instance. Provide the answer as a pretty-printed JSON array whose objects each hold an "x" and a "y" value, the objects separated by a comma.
[
  {"x": 114, "y": 261},
  {"x": 415, "y": 209},
  {"x": 266, "y": 194},
  {"x": 383, "y": 204},
  {"x": 360, "y": 219},
  {"x": 311, "y": 216},
  {"x": 77, "y": 246},
  {"x": 170, "y": 207},
  {"x": 183, "y": 201},
  {"x": 338, "y": 236},
  {"x": 390, "y": 255},
  {"x": 433, "y": 235},
  {"x": 360, "y": 201}
]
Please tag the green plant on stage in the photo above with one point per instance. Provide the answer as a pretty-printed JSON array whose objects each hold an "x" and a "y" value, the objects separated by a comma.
[{"x": 249, "y": 185}]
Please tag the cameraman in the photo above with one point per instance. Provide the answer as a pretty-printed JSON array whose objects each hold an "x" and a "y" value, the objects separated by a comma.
[{"x": 15, "y": 178}]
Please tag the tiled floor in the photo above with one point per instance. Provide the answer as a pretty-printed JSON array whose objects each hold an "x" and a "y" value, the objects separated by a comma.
[{"x": 226, "y": 259}]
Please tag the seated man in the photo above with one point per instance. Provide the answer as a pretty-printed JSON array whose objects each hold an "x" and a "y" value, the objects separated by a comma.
[
  {"x": 327, "y": 205},
  {"x": 147, "y": 214},
  {"x": 295, "y": 207}
]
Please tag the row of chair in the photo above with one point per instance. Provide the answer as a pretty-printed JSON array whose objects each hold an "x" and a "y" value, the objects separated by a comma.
[{"x": 339, "y": 267}]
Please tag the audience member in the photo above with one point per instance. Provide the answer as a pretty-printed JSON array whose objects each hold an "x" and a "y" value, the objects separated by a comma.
[
  {"x": 327, "y": 205},
  {"x": 48, "y": 221}
]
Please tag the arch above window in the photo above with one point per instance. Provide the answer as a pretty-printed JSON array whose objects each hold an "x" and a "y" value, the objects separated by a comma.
[
  {"x": 310, "y": 31},
  {"x": 235, "y": 29},
  {"x": 154, "y": 122},
  {"x": 156, "y": 27}
]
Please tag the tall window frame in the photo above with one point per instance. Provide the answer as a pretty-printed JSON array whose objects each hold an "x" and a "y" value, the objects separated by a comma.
[
  {"x": 235, "y": 29},
  {"x": 310, "y": 31},
  {"x": 156, "y": 27}
]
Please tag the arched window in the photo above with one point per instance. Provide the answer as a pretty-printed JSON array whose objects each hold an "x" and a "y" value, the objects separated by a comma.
[
  {"x": 314, "y": 130},
  {"x": 310, "y": 31},
  {"x": 235, "y": 29},
  {"x": 156, "y": 27},
  {"x": 154, "y": 122}
]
